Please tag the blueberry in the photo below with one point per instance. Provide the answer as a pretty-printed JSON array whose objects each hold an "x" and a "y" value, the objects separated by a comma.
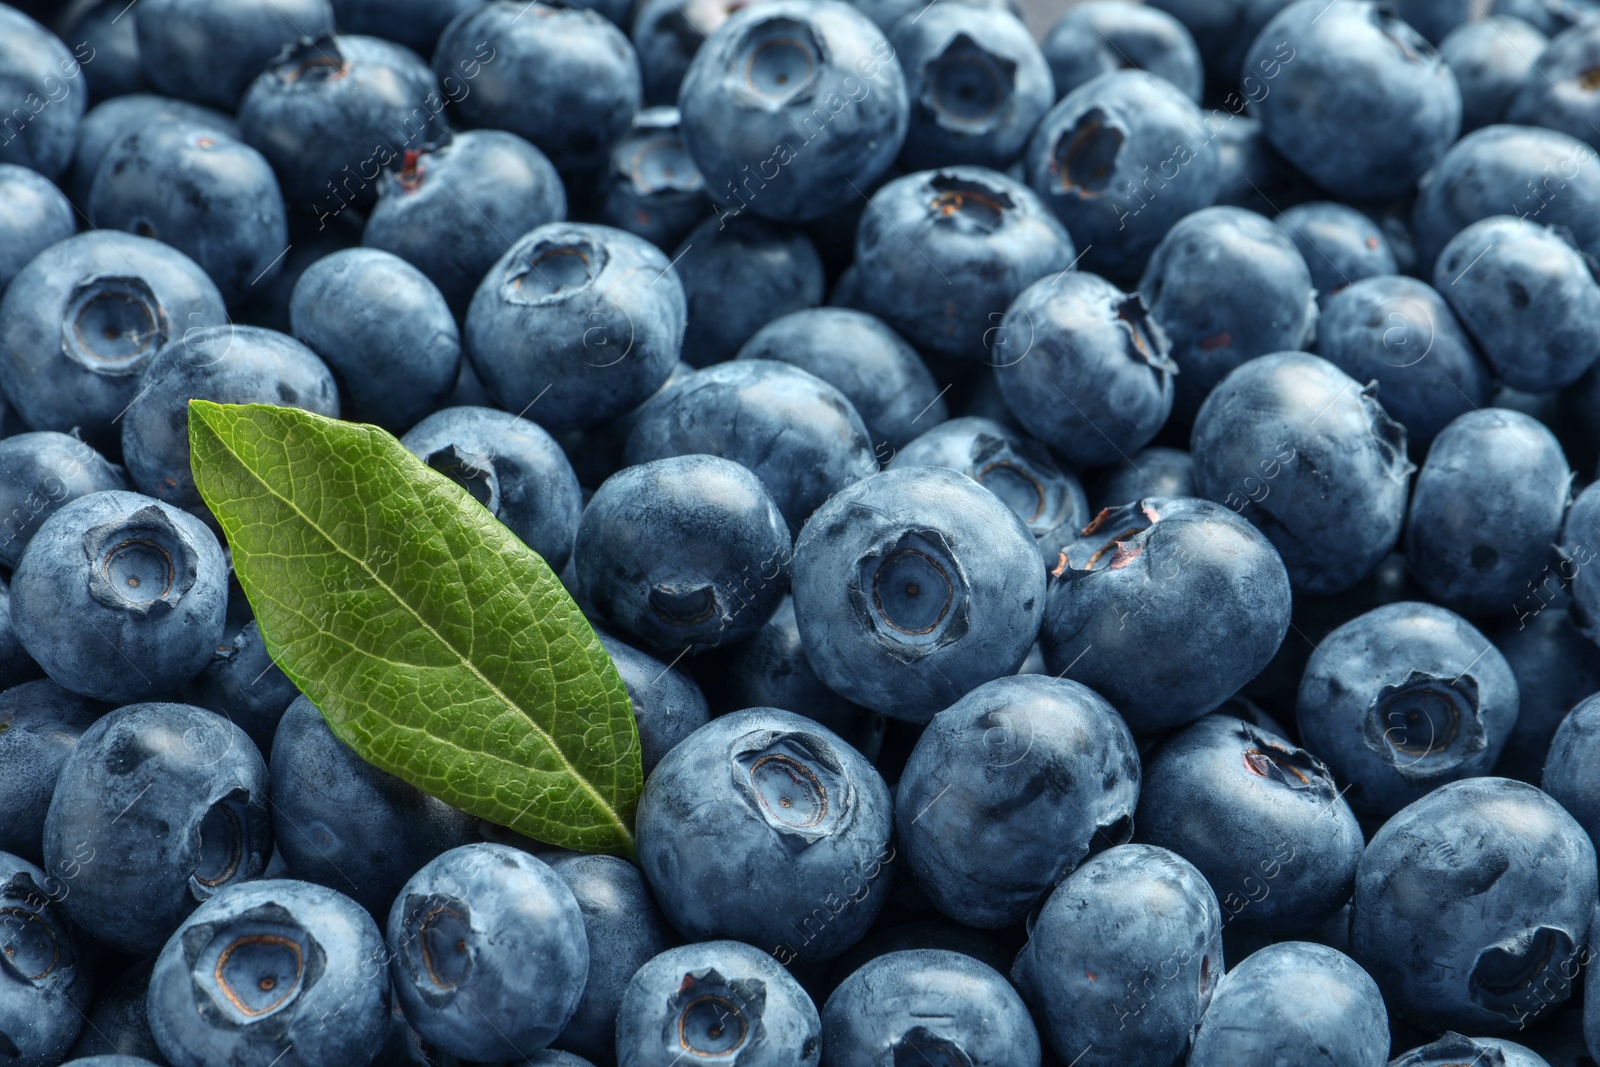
[
  {"x": 111, "y": 42},
  {"x": 575, "y": 324},
  {"x": 914, "y": 586},
  {"x": 717, "y": 1000},
  {"x": 1294, "y": 1004},
  {"x": 1555, "y": 667},
  {"x": 667, "y": 705},
  {"x": 666, "y": 34},
  {"x": 1124, "y": 614},
  {"x": 746, "y": 273},
  {"x": 45, "y": 986},
  {"x": 1486, "y": 508},
  {"x": 243, "y": 684},
  {"x": 1308, "y": 455},
  {"x": 1339, "y": 244},
  {"x": 796, "y": 432},
  {"x": 106, "y": 123},
  {"x": 81, "y": 320},
  {"x": 33, "y": 216},
  {"x": 1223, "y": 32},
  {"x": 1554, "y": 94},
  {"x": 157, "y": 808},
  {"x": 882, "y": 376},
  {"x": 1570, "y": 766},
  {"x": 416, "y": 24},
  {"x": 887, "y": 14},
  {"x": 41, "y": 99},
  {"x": 652, "y": 188},
  {"x": 794, "y": 109},
  {"x": 1153, "y": 471},
  {"x": 111, "y": 1061},
  {"x": 1490, "y": 58},
  {"x": 767, "y": 827},
  {"x": 39, "y": 473},
  {"x": 273, "y": 971},
  {"x": 208, "y": 54},
  {"x": 118, "y": 1028},
  {"x": 1580, "y": 540},
  {"x": 1008, "y": 790},
  {"x": 969, "y": 227},
  {"x": 1100, "y": 36},
  {"x": 1453, "y": 1048},
  {"x": 1472, "y": 905},
  {"x": 1119, "y": 160},
  {"x": 40, "y": 723},
  {"x": 483, "y": 187},
  {"x": 1250, "y": 172},
  {"x": 488, "y": 952}
]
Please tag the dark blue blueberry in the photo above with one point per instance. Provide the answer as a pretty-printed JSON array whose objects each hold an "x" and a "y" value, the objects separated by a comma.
[
  {"x": 767, "y": 827},
  {"x": 416, "y": 24},
  {"x": 85, "y": 317},
  {"x": 1308, "y": 455},
  {"x": 41, "y": 472},
  {"x": 1555, "y": 667},
  {"x": 565, "y": 78},
  {"x": 111, "y": 45},
  {"x": 209, "y": 53},
  {"x": 942, "y": 253},
  {"x": 33, "y": 216},
  {"x": 913, "y": 587},
  {"x": 45, "y": 986},
  {"x": 667, "y": 34},
  {"x": 484, "y": 188},
  {"x": 928, "y": 1006},
  {"x": 688, "y": 551},
  {"x": 1222, "y": 32},
  {"x": 120, "y": 597},
  {"x": 798, "y": 434},
  {"x": 1453, "y": 1049},
  {"x": 243, "y": 683},
  {"x": 1122, "y": 960},
  {"x": 16, "y": 665},
  {"x": 343, "y": 823},
  {"x": 652, "y": 188},
  {"x": 576, "y": 324},
  {"x": 157, "y": 808},
  {"x": 40, "y": 723},
  {"x": 1555, "y": 94},
  {"x": 1573, "y": 762},
  {"x": 1153, "y": 471},
  {"x": 1472, "y": 906},
  {"x": 1083, "y": 367},
  {"x": 1339, "y": 245},
  {"x": 1119, "y": 160},
  {"x": 1549, "y": 17},
  {"x": 1358, "y": 100},
  {"x": 1580, "y": 541},
  {"x": 667, "y": 704},
  {"x": 1401, "y": 333},
  {"x": 717, "y": 1001},
  {"x": 794, "y": 109},
  {"x": 107, "y": 122},
  {"x": 1008, "y": 790},
  {"x": 267, "y": 968},
  {"x": 118, "y": 1027},
  {"x": 41, "y": 95},
  {"x": 1403, "y": 699},
  {"x": 740, "y": 274},
  {"x": 1486, "y": 508},
  {"x": 487, "y": 952},
  {"x": 977, "y": 82},
  {"x": 1491, "y": 58},
  {"x": 1250, "y": 172},
  {"x": 1123, "y": 615},
  {"x": 1294, "y": 1004},
  {"x": 1100, "y": 36},
  {"x": 226, "y": 364},
  {"x": 888, "y": 14}
]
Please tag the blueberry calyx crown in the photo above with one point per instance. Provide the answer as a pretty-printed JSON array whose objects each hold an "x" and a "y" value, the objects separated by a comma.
[
  {"x": 140, "y": 563},
  {"x": 1453, "y": 1050},
  {"x": 1114, "y": 539},
  {"x": 712, "y": 1017},
  {"x": 912, "y": 593},
  {"x": 795, "y": 782},
  {"x": 1427, "y": 725},
  {"x": 1084, "y": 158},
  {"x": 113, "y": 325},
  {"x": 969, "y": 205},
  {"x": 251, "y": 967},
  {"x": 920, "y": 1046},
  {"x": 1147, "y": 342},
  {"x": 967, "y": 87},
  {"x": 33, "y": 948},
  {"x": 1504, "y": 975},
  {"x": 222, "y": 845},
  {"x": 780, "y": 60},
  {"x": 659, "y": 163},
  {"x": 552, "y": 269},
  {"x": 1276, "y": 760},
  {"x": 471, "y": 470},
  {"x": 439, "y": 949},
  {"x": 1389, "y": 433},
  {"x": 311, "y": 62}
]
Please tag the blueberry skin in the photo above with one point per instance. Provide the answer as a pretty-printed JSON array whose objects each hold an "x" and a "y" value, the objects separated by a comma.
[
  {"x": 511, "y": 466},
  {"x": 1222, "y": 32},
  {"x": 1084, "y": 368},
  {"x": 1394, "y": 105},
  {"x": 1153, "y": 471},
  {"x": 576, "y": 324},
  {"x": 1250, "y": 172},
  {"x": 243, "y": 684},
  {"x": 481, "y": 186},
  {"x": 33, "y": 216},
  {"x": 1453, "y": 1048},
  {"x": 515, "y": 956},
  {"x": 106, "y": 123},
  {"x": 1226, "y": 286},
  {"x": 1302, "y": 450},
  {"x": 345, "y": 824},
  {"x": 684, "y": 551},
  {"x": 1490, "y": 58},
  {"x": 882, "y": 376},
  {"x": 1472, "y": 904},
  {"x": 330, "y": 112},
  {"x": 666, "y": 34},
  {"x": 39, "y": 473},
  {"x": 217, "y": 992},
  {"x": 1008, "y": 790},
  {"x": 384, "y": 329},
  {"x": 1122, "y": 960},
  {"x": 625, "y": 931},
  {"x": 796, "y": 432},
  {"x": 1014, "y": 467},
  {"x": 667, "y": 704},
  {"x": 739, "y": 274},
  {"x": 58, "y": 368},
  {"x": 45, "y": 986},
  {"x": 208, "y": 54},
  {"x": 1120, "y": 615},
  {"x": 112, "y": 44},
  {"x": 1541, "y": 99},
  {"x": 858, "y": 564},
  {"x": 795, "y": 107},
  {"x": 416, "y": 24},
  {"x": 41, "y": 100},
  {"x": 1549, "y": 17},
  {"x": 226, "y": 364},
  {"x": 1104, "y": 35},
  {"x": 1555, "y": 667},
  {"x": 1580, "y": 541},
  {"x": 717, "y": 1000},
  {"x": 1262, "y": 819},
  {"x": 1339, "y": 245},
  {"x": 16, "y": 665},
  {"x": 163, "y": 805},
  {"x": 119, "y": 1024},
  {"x": 1402, "y": 333},
  {"x": 120, "y": 597},
  {"x": 40, "y": 723},
  {"x": 887, "y": 14},
  {"x": 767, "y": 827},
  {"x": 1569, "y": 769},
  {"x": 652, "y": 188},
  {"x": 928, "y": 1005},
  {"x": 1294, "y": 1004},
  {"x": 1486, "y": 508}
]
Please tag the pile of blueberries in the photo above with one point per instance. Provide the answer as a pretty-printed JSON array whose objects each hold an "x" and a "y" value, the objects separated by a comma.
[{"x": 1097, "y": 533}]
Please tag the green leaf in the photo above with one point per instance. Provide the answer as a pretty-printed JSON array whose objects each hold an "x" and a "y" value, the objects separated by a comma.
[{"x": 437, "y": 645}]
